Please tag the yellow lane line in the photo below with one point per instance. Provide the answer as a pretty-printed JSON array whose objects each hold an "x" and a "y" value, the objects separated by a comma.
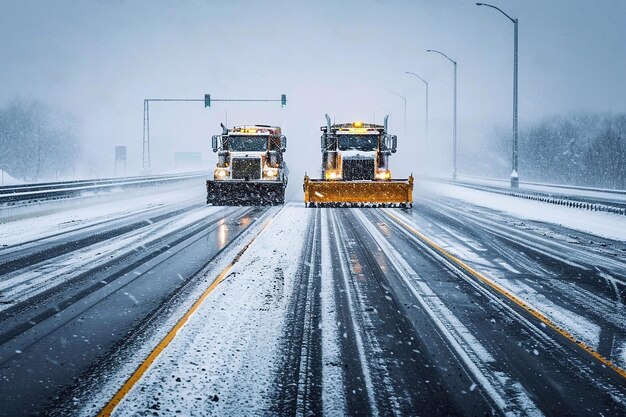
[
  {"x": 128, "y": 385},
  {"x": 512, "y": 297}
]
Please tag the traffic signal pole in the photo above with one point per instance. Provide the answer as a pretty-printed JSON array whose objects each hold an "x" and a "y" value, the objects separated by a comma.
[{"x": 145, "y": 166}]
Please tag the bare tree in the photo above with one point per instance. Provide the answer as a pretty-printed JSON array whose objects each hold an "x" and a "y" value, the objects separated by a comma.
[
  {"x": 577, "y": 149},
  {"x": 34, "y": 143},
  {"x": 605, "y": 160}
]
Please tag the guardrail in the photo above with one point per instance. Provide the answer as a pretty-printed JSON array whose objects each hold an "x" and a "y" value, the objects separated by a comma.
[
  {"x": 614, "y": 204},
  {"x": 27, "y": 193},
  {"x": 505, "y": 183}
]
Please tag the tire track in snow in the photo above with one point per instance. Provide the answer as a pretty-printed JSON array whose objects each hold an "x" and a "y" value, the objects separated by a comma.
[
  {"x": 299, "y": 385},
  {"x": 571, "y": 379}
]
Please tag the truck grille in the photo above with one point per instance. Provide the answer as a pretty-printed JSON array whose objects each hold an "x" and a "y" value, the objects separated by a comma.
[
  {"x": 246, "y": 169},
  {"x": 358, "y": 168}
]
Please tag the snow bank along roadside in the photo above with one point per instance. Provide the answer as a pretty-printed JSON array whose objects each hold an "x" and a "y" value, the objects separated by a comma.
[
  {"x": 90, "y": 212},
  {"x": 86, "y": 199},
  {"x": 612, "y": 226},
  {"x": 223, "y": 360}
]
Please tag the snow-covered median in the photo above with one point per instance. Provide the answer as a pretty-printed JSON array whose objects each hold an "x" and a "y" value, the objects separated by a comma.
[
  {"x": 612, "y": 226},
  {"x": 223, "y": 360}
]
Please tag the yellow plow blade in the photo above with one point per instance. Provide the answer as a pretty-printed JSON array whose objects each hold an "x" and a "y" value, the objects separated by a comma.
[{"x": 357, "y": 193}]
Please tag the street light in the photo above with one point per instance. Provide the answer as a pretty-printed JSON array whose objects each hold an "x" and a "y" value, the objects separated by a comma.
[
  {"x": 454, "y": 142},
  {"x": 403, "y": 98},
  {"x": 514, "y": 172},
  {"x": 426, "y": 83}
]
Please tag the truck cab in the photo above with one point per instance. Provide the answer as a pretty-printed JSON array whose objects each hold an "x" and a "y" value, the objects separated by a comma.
[
  {"x": 250, "y": 153},
  {"x": 356, "y": 151}
]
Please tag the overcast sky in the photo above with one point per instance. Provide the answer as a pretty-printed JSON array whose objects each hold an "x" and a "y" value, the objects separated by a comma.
[{"x": 98, "y": 60}]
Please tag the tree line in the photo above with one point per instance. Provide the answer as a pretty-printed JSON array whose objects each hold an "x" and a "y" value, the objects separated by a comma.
[
  {"x": 580, "y": 149},
  {"x": 36, "y": 143}
]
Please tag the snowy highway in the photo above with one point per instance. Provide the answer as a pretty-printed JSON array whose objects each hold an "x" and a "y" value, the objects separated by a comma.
[
  {"x": 159, "y": 305},
  {"x": 305, "y": 209}
]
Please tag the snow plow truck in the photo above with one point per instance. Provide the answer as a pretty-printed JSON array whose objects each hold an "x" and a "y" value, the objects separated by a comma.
[
  {"x": 355, "y": 169},
  {"x": 250, "y": 167}
]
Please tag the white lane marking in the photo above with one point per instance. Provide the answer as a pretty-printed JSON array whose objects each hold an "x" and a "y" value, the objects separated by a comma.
[
  {"x": 463, "y": 238},
  {"x": 497, "y": 385},
  {"x": 507, "y": 266},
  {"x": 369, "y": 386}
]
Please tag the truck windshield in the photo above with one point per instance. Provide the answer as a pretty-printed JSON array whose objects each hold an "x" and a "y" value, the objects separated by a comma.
[
  {"x": 248, "y": 143},
  {"x": 358, "y": 142}
]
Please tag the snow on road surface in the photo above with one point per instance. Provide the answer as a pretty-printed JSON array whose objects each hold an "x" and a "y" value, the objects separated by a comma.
[
  {"x": 24, "y": 284},
  {"x": 223, "y": 361},
  {"x": 229, "y": 359},
  {"x": 609, "y": 225}
]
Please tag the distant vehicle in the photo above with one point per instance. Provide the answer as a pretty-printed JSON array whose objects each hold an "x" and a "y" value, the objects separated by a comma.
[
  {"x": 355, "y": 168},
  {"x": 250, "y": 166}
]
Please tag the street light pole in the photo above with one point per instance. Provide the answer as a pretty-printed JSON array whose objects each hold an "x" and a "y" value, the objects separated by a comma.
[
  {"x": 454, "y": 141},
  {"x": 426, "y": 142},
  {"x": 403, "y": 98},
  {"x": 514, "y": 172}
]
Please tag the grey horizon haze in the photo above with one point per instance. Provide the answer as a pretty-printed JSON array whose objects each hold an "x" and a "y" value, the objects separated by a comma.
[{"x": 98, "y": 60}]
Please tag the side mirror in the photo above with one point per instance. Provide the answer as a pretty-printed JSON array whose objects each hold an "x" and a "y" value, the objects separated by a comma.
[
  {"x": 214, "y": 142},
  {"x": 394, "y": 143},
  {"x": 283, "y": 143}
]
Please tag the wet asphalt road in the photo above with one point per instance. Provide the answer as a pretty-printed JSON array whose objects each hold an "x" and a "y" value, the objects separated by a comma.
[{"x": 415, "y": 335}]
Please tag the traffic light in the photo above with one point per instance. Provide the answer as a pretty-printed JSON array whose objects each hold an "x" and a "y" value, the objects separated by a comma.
[
  {"x": 283, "y": 100},
  {"x": 207, "y": 100}
]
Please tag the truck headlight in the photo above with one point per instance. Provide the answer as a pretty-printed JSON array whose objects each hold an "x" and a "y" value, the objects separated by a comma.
[
  {"x": 220, "y": 173},
  {"x": 333, "y": 175},
  {"x": 383, "y": 174},
  {"x": 271, "y": 172}
]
